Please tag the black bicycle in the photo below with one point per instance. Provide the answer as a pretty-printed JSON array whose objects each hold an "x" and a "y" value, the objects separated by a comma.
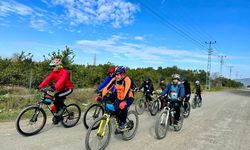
[
  {"x": 186, "y": 106},
  {"x": 32, "y": 119},
  {"x": 166, "y": 119},
  {"x": 196, "y": 101},
  {"x": 143, "y": 105}
]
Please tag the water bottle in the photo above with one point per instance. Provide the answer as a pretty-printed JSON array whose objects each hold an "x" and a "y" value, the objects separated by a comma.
[{"x": 53, "y": 108}]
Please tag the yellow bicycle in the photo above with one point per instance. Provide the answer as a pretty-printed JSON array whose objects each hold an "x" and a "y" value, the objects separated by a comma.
[{"x": 98, "y": 139}]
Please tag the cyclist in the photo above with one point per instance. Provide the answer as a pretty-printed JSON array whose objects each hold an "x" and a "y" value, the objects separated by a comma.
[
  {"x": 124, "y": 95},
  {"x": 162, "y": 83},
  {"x": 148, "y": 88},
  {"x": 198, "y": 89},
  {"x": 187, "y": 90},
  {"x": 110, "y": 76},
  {"x": 176, "y": 93},
  {"x": 63, "y": 85}
]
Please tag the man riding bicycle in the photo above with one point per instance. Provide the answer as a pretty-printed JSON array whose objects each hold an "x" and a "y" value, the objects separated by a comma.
[
  {"x": 187, "y": 91},
  {"x": 176, "y": 93},
  {"x": 198, "y": 89},
  {"x": 148, "y": 88},
  {"x": 124, "y": 95},
  {"x": 63, "y": 85}
]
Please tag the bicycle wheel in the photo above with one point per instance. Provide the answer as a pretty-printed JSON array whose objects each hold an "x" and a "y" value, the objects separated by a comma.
[
  {"x": 180, "y": 123},
  {"x": 187, "y": 111},
  {"x": 132, "y": 125},
  {"x": 162, "y": 124},
  {"x": 31, "y": 120},
  {"x": 93, "y": 112},
  {"x": 139, "y": 108},
  {"x": 155, "y": 108},
  {"x": 200, "y": 103},
  {"x": 71, "y": 115},
  {"x": 95, "y": 140},
  {"x": 194, "y": 103}
]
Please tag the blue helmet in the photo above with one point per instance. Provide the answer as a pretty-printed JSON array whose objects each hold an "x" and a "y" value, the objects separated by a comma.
[{"x": 120, "y": 70}]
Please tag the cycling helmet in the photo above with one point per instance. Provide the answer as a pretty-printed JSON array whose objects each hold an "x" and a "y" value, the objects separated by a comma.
[
  {"x": 111, "y": 70},
  {"x": 120, "y": 70},
  {"x": 162, "y": 79},
  {"x": 146, "y": 78},
  {"x": 197, "y": 82},
  {"x": 176, "y": 76},
  {"x": 56, "y": 62},
  {"x": 183, "y": 78}
]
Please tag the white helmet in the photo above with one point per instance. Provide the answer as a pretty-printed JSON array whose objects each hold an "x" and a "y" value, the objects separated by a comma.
[
  {"x": 56, "y": 62},
  {"x": 176, "y": 76},
  {"x": 197, "y": 82}
]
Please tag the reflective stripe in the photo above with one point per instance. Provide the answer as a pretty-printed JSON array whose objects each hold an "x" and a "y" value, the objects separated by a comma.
[{"x": 65, "y": 93}]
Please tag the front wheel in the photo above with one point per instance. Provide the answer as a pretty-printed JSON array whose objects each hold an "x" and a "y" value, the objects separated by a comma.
[
  {"x": 140, "y": 107},
  {"x": 93, "y": 112},
  {"x": 71, "y": 115},
  {"x": 162, "y": 124},
  {"x": 155, "y": 107},
  {"x": 180, "y": 123},
  {"x": 31, "y": 120},
  {"x": 200, "y": 103},
  {"x": 132, "y": 125},
  {"x": 98, "y": 139}
]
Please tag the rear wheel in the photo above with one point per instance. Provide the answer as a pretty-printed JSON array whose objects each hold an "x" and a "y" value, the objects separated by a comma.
[
  {"x": 187, "y": 111},
  {"x": 71, "y": 115},
  {"x": 132, "y": 125},
  {"x": 199, "y": 103},
  {"x": 194, "y": 102},
  {"x": 162, "y": 124},
  {"x": 93, "y": 112},
  {"x": 97, "y": 141},
  {"x": 31, "y": 120}
]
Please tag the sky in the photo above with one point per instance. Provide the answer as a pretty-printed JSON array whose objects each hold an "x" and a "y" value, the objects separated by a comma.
[{"x": 133, "y": 33}]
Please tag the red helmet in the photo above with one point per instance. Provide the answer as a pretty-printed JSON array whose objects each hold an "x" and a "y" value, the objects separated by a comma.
[{"x": 111, "y": 69}]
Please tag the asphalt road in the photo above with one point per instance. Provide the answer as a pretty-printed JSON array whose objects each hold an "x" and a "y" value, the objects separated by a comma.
[{"x": 223, "y": 123}]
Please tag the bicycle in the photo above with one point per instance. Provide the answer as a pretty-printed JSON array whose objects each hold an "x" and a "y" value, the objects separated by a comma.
[
  {"x": 94, "y": 111},
  {"x": 166, "y": 119},
  {"x": 98, "y": 140},
  {"x": 157, "y": 103},
  {"x": 143, "y": 105},
  {"x": 186, "y": 112},
  {"x": 196, "y": 101},
  {"x": 32, "y": 119}
]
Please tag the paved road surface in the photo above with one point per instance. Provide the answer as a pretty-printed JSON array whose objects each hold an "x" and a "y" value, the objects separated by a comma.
[{"x": 223, "y": 123}]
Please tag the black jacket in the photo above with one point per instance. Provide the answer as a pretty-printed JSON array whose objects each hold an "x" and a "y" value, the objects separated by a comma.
[
  {"x": 187, "y": 88},
  {"x": 147, "y": 86}
]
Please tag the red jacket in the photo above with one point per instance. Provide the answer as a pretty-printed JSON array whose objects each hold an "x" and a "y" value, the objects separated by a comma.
[{"x": 61, "y": 79}]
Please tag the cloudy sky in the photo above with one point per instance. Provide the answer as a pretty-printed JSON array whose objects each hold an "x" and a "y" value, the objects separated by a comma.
[{"x": 134, "y": 33}]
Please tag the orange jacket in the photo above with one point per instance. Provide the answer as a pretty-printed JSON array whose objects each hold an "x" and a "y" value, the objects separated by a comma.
[{"x": 123, "y": 88}]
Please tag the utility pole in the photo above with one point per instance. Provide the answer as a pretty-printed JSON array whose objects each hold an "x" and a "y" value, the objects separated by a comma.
[
  {"x": 221, "y": 67},
  {"x": 94, "y": 60},
  {"x": 230, "y": 69},
  {"x": 210, "y": 51}
]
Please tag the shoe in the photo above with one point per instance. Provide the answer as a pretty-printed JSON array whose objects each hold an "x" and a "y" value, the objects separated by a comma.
[
  {"x": 176, "y": 122},
  {"x": 56, "y": 120},
  {"x": 122, "y": 127}
]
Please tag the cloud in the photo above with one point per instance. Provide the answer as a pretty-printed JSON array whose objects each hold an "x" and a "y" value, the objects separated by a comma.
[
  {"x": 13, "y": 7},
  {"x": 39, "y": 25},
  {"x": 139, "y": 38},
  {"x": 71, "y": 13},
  {"x": 116, "y": 12}
]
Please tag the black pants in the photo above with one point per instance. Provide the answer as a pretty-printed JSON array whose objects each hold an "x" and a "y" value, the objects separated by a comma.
[
  {"x": 123, "y": 113},
  {"x": 60, "y": 97},
  {"x": 148, "y": 96},
  {"x": 199, "y": 95},
  {"x": 177, "y": 106}
]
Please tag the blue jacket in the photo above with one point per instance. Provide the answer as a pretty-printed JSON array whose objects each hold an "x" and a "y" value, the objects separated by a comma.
[
  {"x": 105, "y": 83},
  {"x": 181, "y": 90}
]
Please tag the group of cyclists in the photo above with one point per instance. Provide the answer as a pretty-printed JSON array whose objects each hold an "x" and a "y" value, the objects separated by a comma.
[{"x": 121, "y": 90}]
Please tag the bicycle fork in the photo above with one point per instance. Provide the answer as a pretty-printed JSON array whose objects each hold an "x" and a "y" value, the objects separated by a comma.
[{"x": 100, "y": 131}]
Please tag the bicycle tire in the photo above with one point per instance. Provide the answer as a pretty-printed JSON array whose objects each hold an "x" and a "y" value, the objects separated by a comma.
[
  {"x": 85, "y": 123},
  {"x": 135, "y": 126},
  {"x": 87, "y": 140},
  {"x": 67, "y": 116},
  {"x": 19, "y": 117},
  {"x": 161, "y": 121}
]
